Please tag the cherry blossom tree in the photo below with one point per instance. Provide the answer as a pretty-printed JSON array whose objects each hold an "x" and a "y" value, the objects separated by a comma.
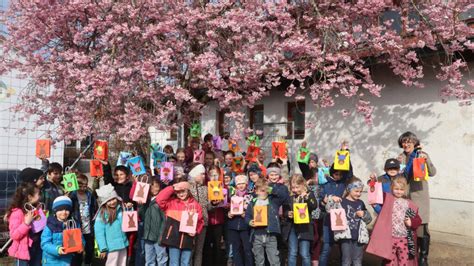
[{"x": 118, "y": 67}]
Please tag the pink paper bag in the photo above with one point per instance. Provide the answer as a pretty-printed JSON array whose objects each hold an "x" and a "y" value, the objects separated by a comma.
[
  {"x": 166, "y": 171},
  {"x": 198, "y": 156},
  {"x": 39, "y": 221},
  {"x": 129, "y": 220},
  {"x": 236, "y": 205},
  {"x": 141, "y": 189},
  {"x": 188, "y": 222},
  {"x": 338, "y": 219},
  {"x": 375, "y": 193}
]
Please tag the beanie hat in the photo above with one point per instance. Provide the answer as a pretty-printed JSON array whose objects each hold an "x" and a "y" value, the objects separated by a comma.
[
  {"x": 241, "y": 179},
  {"x": 313, "y": 157},
  {"x": 273, "y": 170},
  {"x": 62, "y": 203},
  {"x": 254, "y": 168},
  {"x": 30, "y": 175},
  {"x": 197, "y": 170},
  {"x": 392, "y": 164},
  {"x": 106, "y": 193}
]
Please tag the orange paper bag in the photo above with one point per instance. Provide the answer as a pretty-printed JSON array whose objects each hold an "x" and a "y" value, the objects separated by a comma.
[
  {"x": 237, "y": 165},
  {"x": 420, "y": 171},
  {"x": 43, "y": 148},
  {"x": 260, "y": 215},
  {"x": 214, "y": 190},
  {"x": 233, "y": 146},
  {"x": 101, "y": 150},
  {"x": 252, "y": 153},
  {"x": 96, "y": 168},
  {"x": 279, "y": 150},
  {"x": 72, "y": 238}
]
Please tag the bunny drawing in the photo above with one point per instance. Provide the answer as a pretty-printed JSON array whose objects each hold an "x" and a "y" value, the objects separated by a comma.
[{"x": 131, "y": 222}]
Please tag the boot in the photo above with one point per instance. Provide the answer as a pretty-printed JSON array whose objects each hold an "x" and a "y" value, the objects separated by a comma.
[{"x": 424, "y": 243}]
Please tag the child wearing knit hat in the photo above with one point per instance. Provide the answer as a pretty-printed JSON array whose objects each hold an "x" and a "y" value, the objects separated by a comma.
[{"x": 52, "y": 236}]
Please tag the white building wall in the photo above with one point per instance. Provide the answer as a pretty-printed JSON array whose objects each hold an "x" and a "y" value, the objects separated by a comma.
[{"x": 17, "y": 150}]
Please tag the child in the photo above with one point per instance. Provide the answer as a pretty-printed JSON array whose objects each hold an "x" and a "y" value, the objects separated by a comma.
[
  {"x": 265, "y": 237},
  {"x": 52, "y": 188},
  {"x": 352, "y": 245},
  {"x": 84, "y": 206},
  {"x": 34, "y": 176},
  {"x": 52, "y": 236},
  {"x": 392, "y": 169},
  {"x": 237, "y": 228},
  {"x": 199, "y": 191},
  {"x": 26, "y": 247},
  {"x": 111, "y": 240},
  {"x": 394, "y": 234},
  {"x": 332, "y": 190},
  {"x": 254, "y": 172},
  {"x": 228, "y": 158},
  {"x": 301, "y": 235},
  {"x": 153, "y": 218},
  {"x": 173, "y": 200}
]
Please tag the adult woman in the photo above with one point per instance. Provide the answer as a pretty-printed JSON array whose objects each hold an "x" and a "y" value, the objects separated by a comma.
[{"x": 419, "y": 190}]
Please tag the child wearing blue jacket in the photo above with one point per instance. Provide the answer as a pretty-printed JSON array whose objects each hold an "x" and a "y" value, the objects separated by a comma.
[
  {"x": 264, "y": 238},
  {"x": 52, "y": 236},
  {"x": 392, "y": 168},
  {"x": 333, "y": 189},
  {"x": 112, "y": 241}
]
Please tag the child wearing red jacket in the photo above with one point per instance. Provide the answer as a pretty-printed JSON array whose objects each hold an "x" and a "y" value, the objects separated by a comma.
[
  {"x": 173, "y": 200},
  {"x": 394, "y": 234}
]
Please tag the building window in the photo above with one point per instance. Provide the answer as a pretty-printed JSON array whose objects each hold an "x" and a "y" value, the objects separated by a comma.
[
  {"x": 296, "y": 112},
  {"x": 221, "y": 121},
  {"x": 173, "y": 134},
  {"x": 256, "y": 118}
]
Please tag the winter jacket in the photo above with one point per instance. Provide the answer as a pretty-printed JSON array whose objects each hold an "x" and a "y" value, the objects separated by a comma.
[
  {"x": 110, "y": 237},
  {"x": 51, "y": 241},
  {"x": 91, "y": 200},
  {"x": 276, "y": 198},
  {"x": 238, "y": 222},
  {"x": 380, "y": 243},
  {"x": 331, "y": 188},
  {"x": 19, "y": 233},
  {"x": 305, "y": 231},
  {"x": 49, "y": 192},
  {"x": 419, "y": 190},
  {"x": 153, "y": 218},
  {"x": 217, "y": 216},
  {"x": 199, "y": 193},
  {"x": 173, "y": 208}
]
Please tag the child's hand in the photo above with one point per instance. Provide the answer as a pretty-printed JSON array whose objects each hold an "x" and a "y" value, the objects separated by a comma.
[
  {"x": 191, "y": 235},
  {"x": 360, "y": 214},
  {"x": 230, "y": 215},
  {"x": 344, "y": 145},
  {"x": 373, "y": 176},
  {"x": 103, "y": 255},
  {"x": 243, "y": 215},
  {"x": 290, "y": 214},
  {"x": 215, "y": 202},
  {"x": 129, "y": 205},
  {"x": 61, "y": 251},
  {"x": 325, "y": 199},
  {"x": 408, "y": 222},
  {"x": 29, "y": 217},
  {"x": 252, "y": 223},
  {"x": 336, "y": 199}
]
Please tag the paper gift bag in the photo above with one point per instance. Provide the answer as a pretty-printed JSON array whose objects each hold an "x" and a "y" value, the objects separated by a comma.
[
  {"x": 303, "y": 155},
  {"x": 141, "y": 189},
  {"x": 157, "y": 154},
  {"x": 166, "y": 171},
  {"x": 72, "y": 238},
  {"x": 252, "y": 153},
  {"x": 70, "y": 182},
  {"x": 375, "y": 193},
  {"x": 39, "y": 221},
  {"x": 225, "y": 202},
  {"x": 420, "y": 171},
  {"x": 188, "y": 222},
  {"x": 198, "y": 156},
  {"x": 338, "y": 219},
  {"x": 233, "y": 146},
  {"x": 123, "y": 158},
  {"x": 214, "y": 190},
  {"x": 279, "y": 150},
  {"x": 237, "y": 165},
  {"x": 101, "y": 150},
  {"x": 137, "y": 166},
  {"x": 95, "y": 168},
  {"x": 300, "y": 213},
  {"x": 322, "y": 176},
  {"x": 217, "y": 143},
  {"x": 253, "y": 140},
  {"x": 129, "y": 220},
  {"x": 236, "y": 205},
  {"x": 43, "y": 148},
  {"x": 341, "y": 160},
  {"x": 260, "y": 215},
  {"x": 195, "y": 130}
]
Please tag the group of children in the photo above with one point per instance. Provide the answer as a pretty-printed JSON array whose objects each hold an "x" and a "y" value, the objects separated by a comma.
[{"x": 180, "y": 223}]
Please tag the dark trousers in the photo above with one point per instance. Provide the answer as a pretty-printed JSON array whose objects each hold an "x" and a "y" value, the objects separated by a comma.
[
  {"x": 88, "y": 254},
  {"x": 240, "y": 241},
  {"x": 212, "y": 248}
]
